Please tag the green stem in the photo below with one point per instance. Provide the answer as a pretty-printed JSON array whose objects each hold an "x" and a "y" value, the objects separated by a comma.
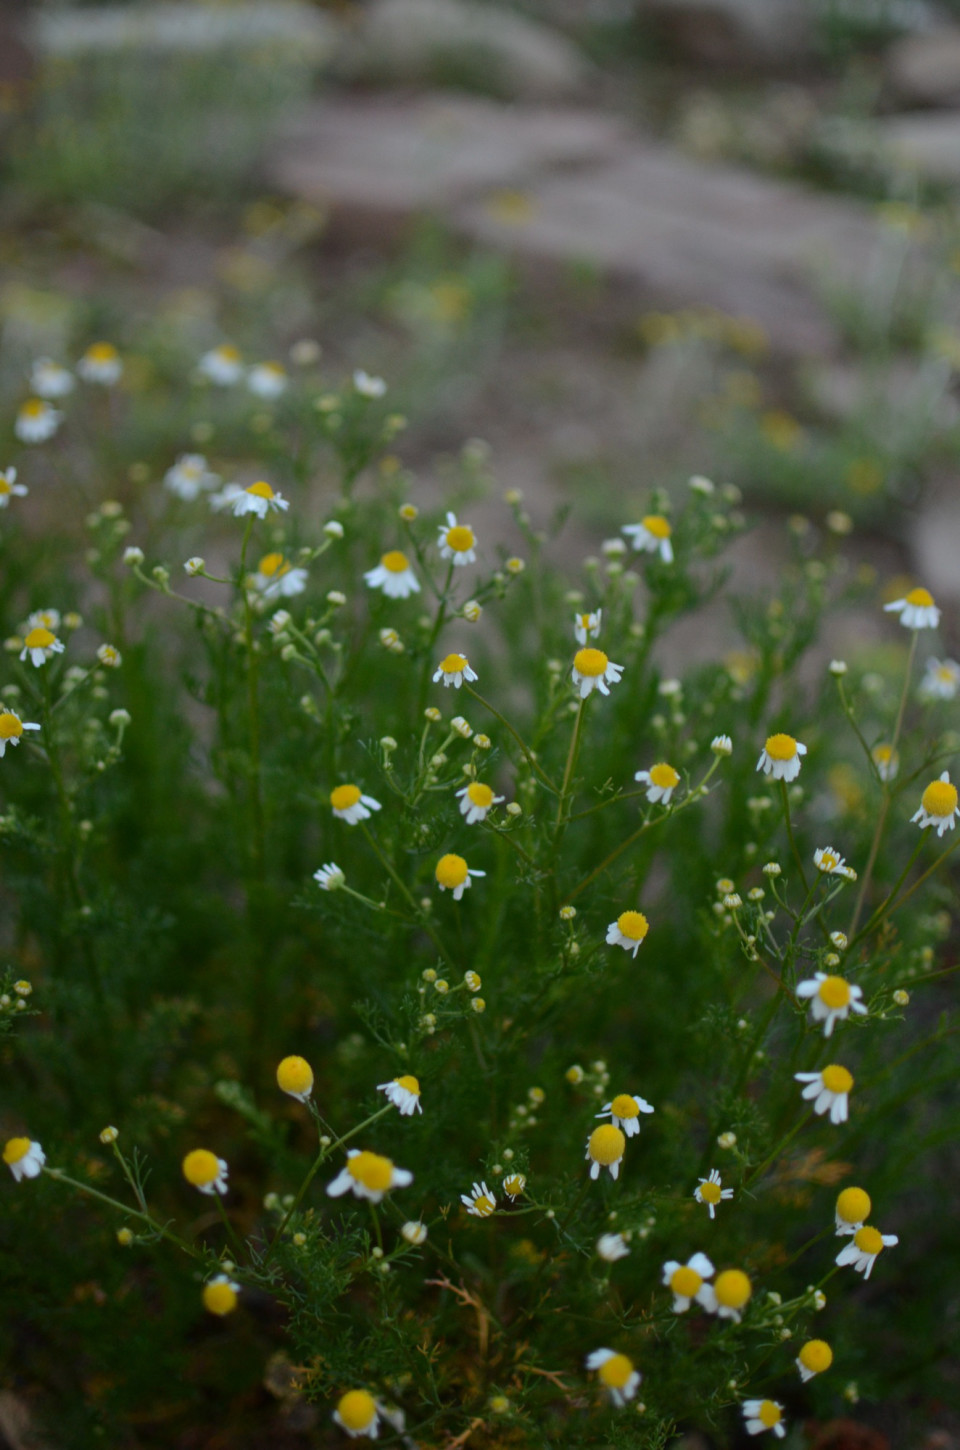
[
  {"x": 790, "y": 836},
  {"x": 60, "y": 1177},
  {"x": 238, "y": 1247},
  {"x": 528, "y": 753},
  {"x": 569, "y": 769},
  {"x": 401, "y": 885}
]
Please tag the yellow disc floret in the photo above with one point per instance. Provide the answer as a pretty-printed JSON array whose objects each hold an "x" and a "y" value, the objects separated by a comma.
[
  {"x": 624, "y": 1106},
  {"x": 590, "y": 662},
  {"x": 460, "y": 538},
  {"x": 781, "y": 747},
  {"x": 260, "y": 490},
  {"x": 606, "y": 1145},
  {"x": 10, "y": 726},
  {"x": 16, "y": 1149},
  {"x": 480, "y": 795},
  {"x": 769, "y": 1414},
  {"x": 357, "y": 1409},
  {"x": 657, "y": 525},
  {"x": 633, "y": 924},
  {"x": 939, "y": 798},
  {"x": 344, "y": 796},
  {"x": 295, "y": 1075},
  {"x": 853, "y": 1205},
  {"x": 201, "y": 1167},
  {"x": 711, "y": 1192},
  {"x": 921, "y": 597},
  {"x": 219, "y": 1298},
  {"x": 273, "y": 564},
  {"x": 394, "y": 562},
  {"x": 451, "y": 871},
  {"x": 615, "y": 1371},
  {"x": 686, "y": 1282},
  {"x": 409, "y": 1083},
  {"x": 816, "y": 1356},
  {"x": 453, "y": 664},
  {"x": 664, "y": 776},
  {"x": 836, "y": 1079},
  {"x": 102, "y": 352},
  {"x": 834, "y": 992},
  {"x": 732, "y": 1288},
  {"x": 373, "y": 1171},
  {"x": 869, "y": 1240},
  {"x": 41, "y": 638}
]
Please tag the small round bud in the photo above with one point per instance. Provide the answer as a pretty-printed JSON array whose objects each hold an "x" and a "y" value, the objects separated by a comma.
[
  {"x": 132, "y": 555},
  {"x": 124, "y": 1237},
  {"x": 333, "y": 529},
  {"x": 109, "y": 1135},
  {"x": 478, "y": 1005},
  {"x": 194, "y": 566}
]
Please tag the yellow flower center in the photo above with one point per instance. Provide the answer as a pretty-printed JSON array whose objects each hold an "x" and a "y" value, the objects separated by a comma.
[
  {"x": 356, "y": 1409},
  {"x": 944, "y": 673},
  {"x": 373, "y": 1171},
  {"x": 34, "y": 408},
  {"x": 10, "y": 726},
  {"x": 940, "y": 798},
  {"x": 834, "y": 992},
  {"x": 664, "y": 776},
  {"x": 514, "y": 1184},
  {"x": 853, "y": 1205},
  {"x": 5, "y": 485},
  {"x": 39, "y": 638},
  {"x": 624, "y": 1106},
  {"x": 483, "y": 1204},
  {"x": 922, "y": 597},
  {"x": 227, "y": 353},
  {"x": 260, "y": 490},
  {"x": 219, "y": 1298},
  {"x": 781, "y": 747},
  {"x": 710, "y": 1192},
  {"x": 460, "y": 538},
  {"x": 453, "y": 664},
  {"x": 733, "y": 1288},
  {"x": 395, "y": 562},
  {"x": 102, "y": 352},
  {"x": 410, "y": 1083},
  {"x": 201, "y": 1167},
  {"x": 633, "y": 924},
  {"x": 816, "y": 1355},
  {"x": 870, "y": 1240},
  {"x": 585, "y": 621},
  {"x": 272, "y": 564},
  {"x": 769, "y": 1414},
  {"x": 836, "y": 1079},
  {"x": 344, "y": 796},
  {"x": 657, "y": 525},
  {"x": 883, "y": 754},
  {"x": 606, "y": 1144},
  {"x": 295, "y": 1075},
  {"x": 451, "y": 871},
  {"x": 16, "y": 1149},
  {"x": 686, "y": 1282},
  {"x": 616, "y": 1371},
  {"x": 590, "y": 662},
  {"x": 481, "y": 795},
  {"x": 828, "y": 860}
]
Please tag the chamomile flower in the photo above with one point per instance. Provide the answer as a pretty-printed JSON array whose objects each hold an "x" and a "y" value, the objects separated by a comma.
[
  {"x": 815, "y": 1357},
  {"x": 109, "y": 656},
  {"x": 222, "y": 365},
  {"x": 862, "y": 1250},
  {"x": 688, "y": 1283},
  {"x": 616, "y": 1373},
  {"x": 367, "y": 386},
  {"x": 887, "y": 761},
  {"x": 295, "y": 1078},
  {"x": 852, "y": 1210},
  {"x": 763, "y": 1415},
  {"x": 711, "y": 1192},
  {"x": 9, "y": 487},
  {"x": 479, "y": 1202},
  {"x": 190, "y": 476},
  {"x": 916, "y": 610},
  {"x": 368, "y": 1175},
  {"x": 453, "y": 874},
  {"x": 414, "y": 1232},
  {"x": 592, "y": 670},
  {"x": 721, "y": 745},
  {"x": 205, "y": 1171},
  {"x": 731, "y": 1290},
  {"x": 24, "y": 1158},
  {"x": 651, "y": 536},
  {"x": 938, "y": 805},
  {"x": 357, "y": 1413},
  {"x": 36, "y": 421},
  {"x": 393, "y": 576},
  {"x": 587, "y": 626},
  {"x": 44, "y": 619},
  {"x": 453, "y": 670},
  {"x": 828, "y": 1089},
  {"x": 348, "y": 804},
  {"x": 831, "y": 863},
  {"x": 404, "y": 1093},
  {"x": 661, "y": 781},
  {"x": 624, "y": 1112},
  {"x": 267, "y": 380},
  {"x": 628, "y": 931},
  {"x": 605, "y": 1149},
  {"x": 514, "y": 1185},
  {"x": 831, "y": 999},
  {"x": 329, "y": 877},
  {"x": 101, "y": 363},
  {"x": 257, "y": 498},
  {"x": 780, "y": 757},
  {"x": 11, "y": 729},
  {"x": 220, "y": 1295},
  {"x": 941, "y": 680},
  {"x": 457, "y": 542},
  {"x": 476, "y": 801},
  {"x": 49, "y": 379},
  {"x": 276, "y": 578},
  {"x": 611, "y": 1247},
  {"x": 40, "y": 644}
]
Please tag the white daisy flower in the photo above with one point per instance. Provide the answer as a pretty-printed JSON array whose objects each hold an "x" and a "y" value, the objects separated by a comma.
[
  {"x": 611, "y": 1247},
  {"x": 414, "y": 1232},
  {"x": 852, "y": 1210},
  {"x": 916, "y": 610},
  {"x": 49, "y": 379},
  {"x": 454, "y": 875},
  {"x": 44, "y": 619},
  {"x": 476, "y": 801},
  {"x": 41, "y": 644},
  {"x": 24, "y": 1158},
  {"x": 514, "y": 1185},
  {"x": 763, "y": 1415},
  {"x": 190, "y": 477},
  {"x": 828, "y": 1089},
  {"x": 941, "y": 680},
  {"x": 393, "y": 576},
  {"x": 887, "y": 761},
  {"x": 616, "y": 1373},
  {"x": 368, "y": 1175},
  {"x": 101, "y": 363},
  {"x": 9, "y": 487},
  {"x": 628, "y": 931},
  {"x": 205, "y": 1171},
  {"x": 624, "y": 1112},
  {"x": 357, "y": 1413},
  {"x": 831, "y": 863},
  {"x": 350, "y": 805},
  {"x": 480, "y": 1202},
  {"x": 222, "y": 365},
  {"x": 780, "y": 757},
  {"x": 831, "y": 999},
  {"x": 592, "y": 670},
  {"x": 220, "y": 1295},
  {"x": 710, "y": 1191},
  {"x": 721, "y": 745},
  {"x": 652, "y": 536},
  {"x": 367, "y": 386},
  {"x": 329, "y": 877},
  {"x": 688, "y": 1283},
  {"x": 11, "y": 728},
  {"x": 404, "y": 1093},
  {"x": 267, "y": 380},
  {"x": 605, "y": 1149},
  {"x": 938, "y": 805},
  {"x": 453, "y": 670},
  {"x": 661, "y": 781},
  {"x": 457, "y": 542},
  {"x": 109, "y": 656},
  {"x": 731, "y": 1292},
  {"x": 863, "y": 1249},
  {"x": 587, "y": 626},
  {"x": 276, "y": 578},
  {"x": 256, "y": 498},
  {"x": 815, "y": 1357},
  {"x": 36, "y": 421}
]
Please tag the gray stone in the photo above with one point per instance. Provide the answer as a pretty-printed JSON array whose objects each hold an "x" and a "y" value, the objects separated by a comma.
[
  {"x": 473, "y": 45},
  {"x": 924, "y": 70},
  {"x": 738, "y": 34},
  {"x": 924, "y": 143},
  {"x": 187, "y": 28}
]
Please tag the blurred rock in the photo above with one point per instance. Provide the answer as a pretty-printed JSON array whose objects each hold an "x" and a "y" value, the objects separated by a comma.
[
  {"x": 924, "y": 70},
  {"x": 186, "y": 28},
  {"x": 737, "y": 34},
  {"x": 467, "y": 44},
  {"x": 926, "y": 143},
  {"x": 935, "y": 540}
]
